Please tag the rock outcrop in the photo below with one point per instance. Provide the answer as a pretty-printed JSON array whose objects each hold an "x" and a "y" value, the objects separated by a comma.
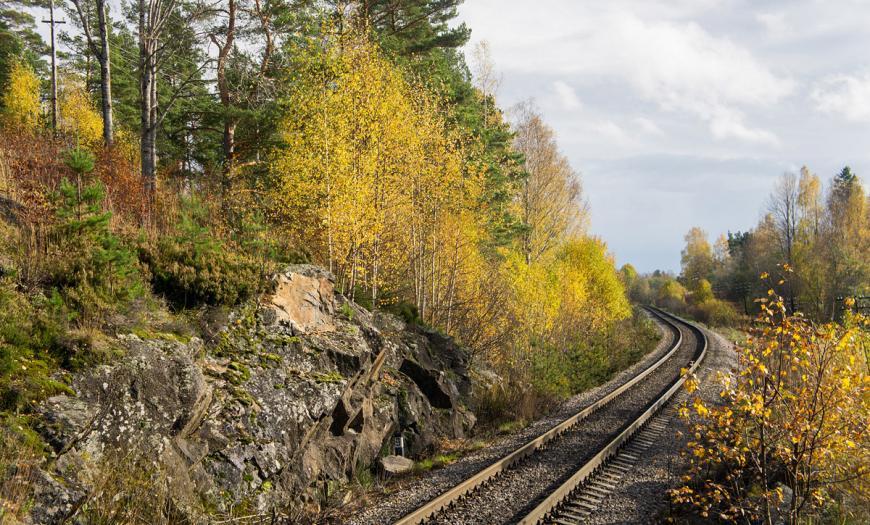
[{"x": 296, "y": 393}]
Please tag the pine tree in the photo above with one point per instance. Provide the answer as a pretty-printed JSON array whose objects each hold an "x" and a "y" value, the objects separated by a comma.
[
  {"x": 19, "y": 39},
  {"x": 98, "y": 270}
]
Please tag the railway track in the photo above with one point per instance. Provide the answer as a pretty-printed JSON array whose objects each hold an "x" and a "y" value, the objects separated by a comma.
[{"x": 537, "y": 481}]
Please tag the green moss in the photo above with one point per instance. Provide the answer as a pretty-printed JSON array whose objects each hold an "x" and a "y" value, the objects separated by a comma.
[
  {"x": 271, "y": 358},
  {"x": 17, "y": 431},
  {"x": 329, "y": 377},
  {"x": 32, "y": 348},
  {"x": 435, "y": 462},
  {"x": 148, "y": 333},
  {"x": 281, "y": 339},
  {"x": 242, "y": 396},
  {"x": 237, "y": 373},
  {"x": 239, "y": 337}
]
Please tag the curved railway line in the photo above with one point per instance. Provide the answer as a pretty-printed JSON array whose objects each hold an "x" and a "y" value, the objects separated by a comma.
[{"x": 560, "y": 476}]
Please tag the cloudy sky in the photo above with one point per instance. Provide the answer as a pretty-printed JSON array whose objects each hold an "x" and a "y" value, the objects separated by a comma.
[{"x": 682, "y": 113}]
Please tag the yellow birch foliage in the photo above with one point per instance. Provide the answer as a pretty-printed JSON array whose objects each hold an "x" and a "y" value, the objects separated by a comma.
[
  {"x": 370, "y": 161},
  {"x": 569, "y": 295},
  {"x": 21, "y": 108},
  {"x": 593, "y": 296},
  {"x": 795, "y": 414},
  {"x": 349, "y": 116},
  {"x": 375, "y": 181},
  {"x": 535, "y": 296},
  {"x": 78, "y": 117},
  {"x": 471, "y": 305}
]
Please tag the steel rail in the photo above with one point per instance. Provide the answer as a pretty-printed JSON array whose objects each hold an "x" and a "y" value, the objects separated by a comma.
[
  {"x": 435, "y": 505},
  {"x": 544, "y": 510}
]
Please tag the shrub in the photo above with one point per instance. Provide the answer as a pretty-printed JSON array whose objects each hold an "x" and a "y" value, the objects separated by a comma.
[
  {"x": 672, "y": 296},
  {"x": 80, "y": 160},
  {"x": 715, "y": 312},
  {"x": 792, "y": 415},
  {"x": 702, "y": 292},
  {"x": 20, "y": 455},
  {"x": 129, "y": 487},
  {"x": 193, "y": 267},
  {"x": 79, "y": 119},
  {"x": 552, "y": 373},
  {"x": 90, "y": 266}
]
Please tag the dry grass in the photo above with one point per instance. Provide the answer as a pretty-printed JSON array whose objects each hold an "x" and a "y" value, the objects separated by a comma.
[
  {"x": 131, "y": 489},
  {"x": 19, "y": 460}
]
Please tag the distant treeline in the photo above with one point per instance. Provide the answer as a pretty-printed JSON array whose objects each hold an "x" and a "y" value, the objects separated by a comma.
[{"x": 814, "y": 244}]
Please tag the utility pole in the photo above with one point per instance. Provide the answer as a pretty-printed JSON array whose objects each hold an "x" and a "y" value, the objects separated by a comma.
[{"x": 53, "y": 22}]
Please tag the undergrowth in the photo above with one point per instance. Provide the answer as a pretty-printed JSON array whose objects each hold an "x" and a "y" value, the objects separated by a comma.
[
  {"x": 20, "y": 454},
  {"x": 554, "y": 374},
  {"x": 82, "y": 262}
]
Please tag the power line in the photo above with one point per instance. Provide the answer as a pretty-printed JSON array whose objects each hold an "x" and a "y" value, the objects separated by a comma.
[{"x": 53, "y": 23}]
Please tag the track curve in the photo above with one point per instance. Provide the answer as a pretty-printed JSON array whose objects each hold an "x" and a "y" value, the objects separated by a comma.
[{"x": 515, "y": 486}]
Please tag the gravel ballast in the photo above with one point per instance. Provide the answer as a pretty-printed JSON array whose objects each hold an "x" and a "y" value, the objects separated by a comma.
[
  {"x": 409, "y": 495},
  {"x": 510, "y": 496},
  {"x": 641, "y": 495}
]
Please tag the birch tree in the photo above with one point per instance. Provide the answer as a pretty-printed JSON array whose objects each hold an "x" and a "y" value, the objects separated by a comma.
[
  {"x": 99, "y": 46},
  {"x": 783, "y": 208},
  {"x": 550, "y": 198}
]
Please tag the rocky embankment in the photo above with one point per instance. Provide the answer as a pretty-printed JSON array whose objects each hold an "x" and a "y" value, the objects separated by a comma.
[{"x": 290, "y": 397}]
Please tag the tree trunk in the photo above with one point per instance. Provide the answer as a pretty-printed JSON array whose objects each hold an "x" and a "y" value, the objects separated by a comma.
[
  {"x": 147, "y": 108},
  {"x": 230, "y": 121},
  {"x": 105, "y": 72},
  {"x": 152, "y": 128},
  {"x": 229, "y": 144}
]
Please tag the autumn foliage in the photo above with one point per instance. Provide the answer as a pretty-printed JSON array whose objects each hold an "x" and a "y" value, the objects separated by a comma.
[
  {"x": 376, "y": 182},
  {"x": 20, "y": 99},
  {"x": 447, "y": 215},
  {"x": 789, "y": 439},
  {"x": 371, "y": 177}
]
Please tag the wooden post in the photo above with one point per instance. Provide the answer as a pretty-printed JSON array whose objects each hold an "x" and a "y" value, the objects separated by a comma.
[{"x": 53, "y": 22}]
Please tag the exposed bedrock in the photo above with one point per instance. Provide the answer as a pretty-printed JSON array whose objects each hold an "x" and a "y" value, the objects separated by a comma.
[{"x": 296, "y": 392}]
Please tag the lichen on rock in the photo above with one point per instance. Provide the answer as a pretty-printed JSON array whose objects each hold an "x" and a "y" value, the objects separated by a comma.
[{"x": 290, "y": 397}]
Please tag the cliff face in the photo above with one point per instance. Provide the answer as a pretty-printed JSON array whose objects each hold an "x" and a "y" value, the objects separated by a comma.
[{"x": 290, "y": 396}]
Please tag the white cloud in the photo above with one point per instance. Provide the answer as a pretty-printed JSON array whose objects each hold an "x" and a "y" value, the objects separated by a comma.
[
  {"x": 648, "y": 126},
  {"x": 722, "y": 79},
  {"x": 681, "y": 67},
  {"x": 775, "y": 24},
  {"x": 611, "y": 129},
  {"x": 844, "y": 95},
  {"x": 676, "y": 64},
  {"x": 567, "y": 96},
  {"x": 729, "y": 124}
]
